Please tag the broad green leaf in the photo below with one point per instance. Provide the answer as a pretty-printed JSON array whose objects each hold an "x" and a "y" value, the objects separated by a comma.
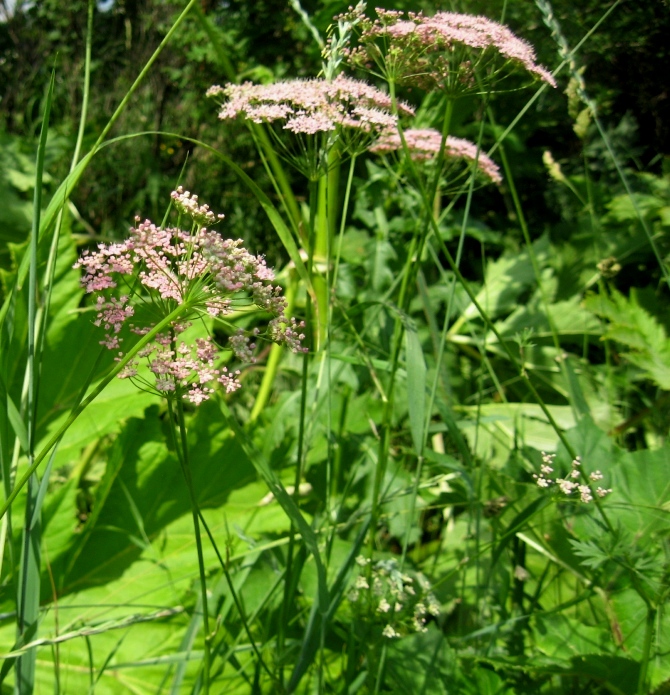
[{"x": 505, "y": 280}]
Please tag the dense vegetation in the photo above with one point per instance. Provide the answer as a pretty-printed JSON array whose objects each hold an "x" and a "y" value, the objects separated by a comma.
[{"x": 458, "y": 481}]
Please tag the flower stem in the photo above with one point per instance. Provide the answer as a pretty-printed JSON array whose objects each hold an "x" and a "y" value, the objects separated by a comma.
[
  {"x": 186, "y": 470},
  {"x": 646, "y": 649}
]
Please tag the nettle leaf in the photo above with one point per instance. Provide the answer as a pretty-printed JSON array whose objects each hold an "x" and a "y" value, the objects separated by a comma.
[{"x": 634, "y": 327}]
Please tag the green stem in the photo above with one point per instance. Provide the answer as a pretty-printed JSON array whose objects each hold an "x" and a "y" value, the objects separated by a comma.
[
  {"x": 323, "y": 227},
  {"x": 646, "y": 649},
  {"x": 195, "y": 511}
]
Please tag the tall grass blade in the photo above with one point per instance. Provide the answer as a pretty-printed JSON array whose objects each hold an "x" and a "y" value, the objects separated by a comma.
[{"x": 28, "y": 602}]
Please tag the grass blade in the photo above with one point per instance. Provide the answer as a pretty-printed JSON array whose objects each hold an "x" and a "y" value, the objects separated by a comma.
[
  {"x": 29, "y": 571},
  {"x": 416, "y": 387}
]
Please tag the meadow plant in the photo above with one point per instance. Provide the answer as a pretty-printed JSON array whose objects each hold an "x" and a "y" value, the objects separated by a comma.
[{"x": 413, "y": 550}]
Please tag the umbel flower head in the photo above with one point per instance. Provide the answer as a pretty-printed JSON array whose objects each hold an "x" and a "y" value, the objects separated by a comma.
[
  {"x": 174, "y": 276},
  {"x": 571, "y": 483},
  {"x": 425, "y": 144},
  {"x": 319, "y": 112},
  {"x": 455, "y": 53}
]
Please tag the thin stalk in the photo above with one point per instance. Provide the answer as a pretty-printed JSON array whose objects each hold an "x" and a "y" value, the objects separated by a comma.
[
  {"x": 138, "y": 80},
  {"x": 289, "y": 581},
  {"x": 236, "y": 599},
  {"x": 649, "y": 630},
  {"x": 87, "y": 87},
  {"x": 409, "y": 277},
  {"x": 195, "y": 511},
  {"x": 276, "y": 173}
]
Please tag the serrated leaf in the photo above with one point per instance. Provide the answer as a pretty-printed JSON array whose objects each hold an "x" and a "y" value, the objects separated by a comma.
[
  {"x": 634, "y": 327},
  {"x": 592, "y": 555}
]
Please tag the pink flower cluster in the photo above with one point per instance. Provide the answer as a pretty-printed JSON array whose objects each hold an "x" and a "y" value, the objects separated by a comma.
[
  {"x": 165, "y": 268},
  {"x": 311, "y": 106},
  {"x": 443, "y": 51},
  {"x": 425, "y": 144},
  {"x": 569, "y": 484}
]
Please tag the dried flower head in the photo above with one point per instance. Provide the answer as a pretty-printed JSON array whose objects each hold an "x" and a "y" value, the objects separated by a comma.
[
  {"x": 455, "y": 53},
  {"x": 172, "y": 276},
  {"x": 345, "y": 110},
  {"x": 425, "y": 144}
]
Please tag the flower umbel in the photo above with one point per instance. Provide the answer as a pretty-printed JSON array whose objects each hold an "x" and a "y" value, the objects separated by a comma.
[
  {"x": 570, "y": 484},
  {"x": 199, "y": 271},
  {"x": 455, "y": 53},
  {"x": 343, "y": 109},
  {"x": 424, "y": 144}
]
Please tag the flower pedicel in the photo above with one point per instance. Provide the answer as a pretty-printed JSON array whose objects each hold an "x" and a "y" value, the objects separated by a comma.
[{"x": 165, "y": 269}]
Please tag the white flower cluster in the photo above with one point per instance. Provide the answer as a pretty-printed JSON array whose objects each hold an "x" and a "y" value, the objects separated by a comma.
[
  {"x": 401, "y": 601},
  {"x": 570, "y": 483}
]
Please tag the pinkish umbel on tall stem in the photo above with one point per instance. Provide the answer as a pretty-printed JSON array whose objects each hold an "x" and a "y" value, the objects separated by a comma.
[
  {"x": 424, "y": 145},
  {"x": 317, "y": 114},
  {"x": 451, "y": 52},
  {"x": 155, "y": 271}
]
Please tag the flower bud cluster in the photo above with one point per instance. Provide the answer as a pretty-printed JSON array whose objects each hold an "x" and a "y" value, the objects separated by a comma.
[
  {"x": 163, "y": 269},
  {"x": 570, "y": 483},
  {"x": 401, "y": 601},
  {"x": 187, "y": 204}
]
